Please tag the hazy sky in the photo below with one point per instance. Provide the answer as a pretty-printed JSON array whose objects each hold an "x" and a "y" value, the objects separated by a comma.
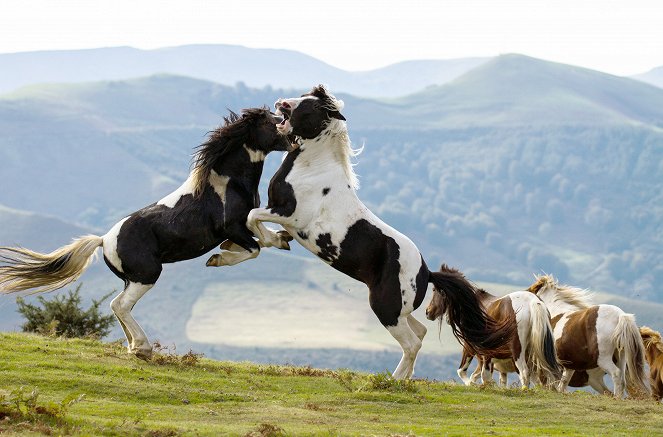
[{"x": 616, "y": 36}]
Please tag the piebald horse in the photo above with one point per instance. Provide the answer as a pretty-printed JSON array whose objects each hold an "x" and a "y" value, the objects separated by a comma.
[
  {"x": 654, "y": 355},
  {"x": 595, "y": 338},
  {"x": 531, "y": 349},
  {"x": 313, "y": 196},
  {"x": 211, "y": 206}
]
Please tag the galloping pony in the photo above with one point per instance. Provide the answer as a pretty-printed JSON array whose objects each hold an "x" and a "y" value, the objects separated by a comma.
[
  {"x": 531, "y": 348},
  {"x": 654, "y": 355},
  {"x": 596, "y": 338},
  {"x": 211, "y": 206},
  {"x": 313, "y": 196}
]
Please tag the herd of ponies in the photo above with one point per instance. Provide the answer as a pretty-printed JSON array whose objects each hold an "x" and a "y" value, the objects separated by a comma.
[{"x": 549, "y": 333}]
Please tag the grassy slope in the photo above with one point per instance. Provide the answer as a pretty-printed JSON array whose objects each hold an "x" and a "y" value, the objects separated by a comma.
[{"x": 128, "y": 397}]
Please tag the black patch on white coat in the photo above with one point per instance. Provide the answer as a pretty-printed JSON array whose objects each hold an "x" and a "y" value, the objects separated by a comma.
[
  {"x": 282, "y": 199},
  {"x": 302, "y": 235},
  {"x": 325, "y": 191},
  {"x": 328, "y": 251},
  {"x": 370, "y": 256}
]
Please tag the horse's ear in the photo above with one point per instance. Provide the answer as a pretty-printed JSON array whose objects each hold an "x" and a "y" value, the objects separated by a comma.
[
  {"x": 336, "y": 114},
  {"x": 538, "y": 285}
]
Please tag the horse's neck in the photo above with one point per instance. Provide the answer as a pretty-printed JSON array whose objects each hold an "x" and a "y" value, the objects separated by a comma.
[
  {"x": 242, "y": 166},
  {"x": 557, "y": 306},
  {"x": 323, "y": 157},
  {"x": 486, "y": 298}
]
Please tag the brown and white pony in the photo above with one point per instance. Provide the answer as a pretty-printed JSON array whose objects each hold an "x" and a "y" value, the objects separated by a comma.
[
  {"x": 530, "y": 348},
  {"x": 595, "y": 338},
  {"x": 654, "y": 355}
]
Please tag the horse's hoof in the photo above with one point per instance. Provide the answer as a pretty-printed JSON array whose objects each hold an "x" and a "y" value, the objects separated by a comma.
[
  {"x": 143, "y": 354},
  {"x": 214, "y": 261},
  {"x": 285, "y": 236}
]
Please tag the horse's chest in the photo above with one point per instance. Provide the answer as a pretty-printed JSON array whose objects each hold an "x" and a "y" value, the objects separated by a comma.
[{"x": 576, "y": 339}]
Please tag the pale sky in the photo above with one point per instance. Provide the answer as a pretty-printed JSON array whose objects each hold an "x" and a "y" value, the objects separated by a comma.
[{"x": 621, "y": 37}]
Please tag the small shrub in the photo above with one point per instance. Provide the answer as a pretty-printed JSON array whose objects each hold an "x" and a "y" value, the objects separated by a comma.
[
  {"x": 164, "y": 355},
  {"x": 64, "y": 316},
  {"x": 267, "y": 430},
  {"x": 384, "y": 381}
]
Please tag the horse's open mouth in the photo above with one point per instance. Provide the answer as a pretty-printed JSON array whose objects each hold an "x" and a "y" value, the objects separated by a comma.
[{"x": 284, "y": 127}]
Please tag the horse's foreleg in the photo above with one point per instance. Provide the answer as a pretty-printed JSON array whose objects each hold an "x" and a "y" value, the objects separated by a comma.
[
  {"x": 240, "y": 246},
  {"x": 474, "y": 377},
  {"x": 122, "y": 306},
  {"x": 464, "y": 365},
  {"x": 567, "y": 374},
  {"x": 268, "y": 237}
]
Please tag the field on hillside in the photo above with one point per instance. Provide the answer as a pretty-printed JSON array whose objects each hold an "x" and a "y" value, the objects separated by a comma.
[{"x": 188, "y": 395}]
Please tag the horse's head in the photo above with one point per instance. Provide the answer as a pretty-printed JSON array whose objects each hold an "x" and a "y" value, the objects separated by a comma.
[
  {"x": 307, "y": 116},
  {"x": 651, "y": 339},
  {"x": 437, "y": 306},
  {"x": 261, "y": 130}
]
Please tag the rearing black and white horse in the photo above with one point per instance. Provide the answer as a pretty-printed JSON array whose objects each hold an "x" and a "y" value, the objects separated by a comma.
[
  {"x": 211, "y": 206},
  {"x": 313, "y": 197}
]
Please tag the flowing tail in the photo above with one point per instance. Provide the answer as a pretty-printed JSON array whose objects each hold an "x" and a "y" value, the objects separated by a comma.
[
  {"x": 24, "y": 269},
  {"x": 628, "y": 341},
  {"x": 542, "y": 341},
  {"x": 469, "y": 322}
]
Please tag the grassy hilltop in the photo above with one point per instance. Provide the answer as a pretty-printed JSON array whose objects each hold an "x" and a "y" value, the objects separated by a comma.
[{"x": 189, "y": 395}]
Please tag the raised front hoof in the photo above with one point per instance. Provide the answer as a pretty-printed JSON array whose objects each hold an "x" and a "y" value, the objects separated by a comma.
[
  {"x": 285, "y": 236},
  {"x": 143, "y": 354},
  {"x": 215, "y": 260},
  {"x": 283, "y": 245}
]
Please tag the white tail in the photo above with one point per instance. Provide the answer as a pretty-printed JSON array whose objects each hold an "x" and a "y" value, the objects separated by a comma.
[
  {"x": 542, "y": 342},
  {"x": 626, "y": 338},
  {"x": 26, "y": 269}
]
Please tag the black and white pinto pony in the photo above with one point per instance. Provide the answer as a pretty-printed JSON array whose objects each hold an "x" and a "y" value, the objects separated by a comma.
[
  {"x": 211, "y": 206},
  {"x": 313, "y": 196},
  {"x": 598, "y": 339},
  {"x": 531, "y": 349}
]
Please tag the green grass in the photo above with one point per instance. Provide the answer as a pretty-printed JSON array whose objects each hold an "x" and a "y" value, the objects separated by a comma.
[{"x": 175, "y": 396}]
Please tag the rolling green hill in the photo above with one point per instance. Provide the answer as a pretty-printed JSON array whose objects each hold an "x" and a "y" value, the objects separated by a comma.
[{"x": 174, "y": 396}]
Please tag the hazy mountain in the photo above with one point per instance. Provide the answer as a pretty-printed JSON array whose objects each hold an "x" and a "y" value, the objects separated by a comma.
[
  {"x": 518, "y": 166},
  {"x": 653, "y": 77},
  {"x": 225, "y": 64}
]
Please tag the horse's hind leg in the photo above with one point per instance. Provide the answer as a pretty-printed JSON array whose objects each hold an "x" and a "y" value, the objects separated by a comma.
[
  {"x": 410, "y": 343},
  {"x": 596, "y": 380},
  {"x": 617, "y": 373},
  {"x": 122, "y": 306},
  {"x": 418, "y": 327}
]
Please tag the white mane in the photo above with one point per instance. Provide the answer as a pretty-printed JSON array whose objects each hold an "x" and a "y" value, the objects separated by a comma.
[
  {"x": 344, "y": 152},
  {"x": 551, "y": 292}
]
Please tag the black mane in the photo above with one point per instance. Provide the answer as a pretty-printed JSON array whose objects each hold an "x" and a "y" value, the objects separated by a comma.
[{"x": 235, "y": 132}]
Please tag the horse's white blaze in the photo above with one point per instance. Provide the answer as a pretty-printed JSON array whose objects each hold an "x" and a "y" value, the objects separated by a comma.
[
  {"x": 186, "y": 188},
  {"x": 255, "y": 155},
  {"x": 220, "y": 184},
  {"x": 110, "y": 245}
]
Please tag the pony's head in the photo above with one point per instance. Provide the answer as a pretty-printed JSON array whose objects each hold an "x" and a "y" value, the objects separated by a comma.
[
  {"x": 307, "y": 116},
  {"x": 651, "y": 339},
  {"x": 437, "y": 306},
  {"x": 552, "y": 293},
  {"x": 254, "y": 130}
]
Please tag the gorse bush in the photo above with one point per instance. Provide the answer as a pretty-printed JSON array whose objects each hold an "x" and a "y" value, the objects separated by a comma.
[{"x": 63, "y": 316}]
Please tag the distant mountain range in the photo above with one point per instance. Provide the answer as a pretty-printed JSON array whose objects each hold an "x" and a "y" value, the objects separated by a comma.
[
  {"x": 515, "y": 167},
  {"x": 653, "y": 77},
  {"x": 225, "y": 64}
]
